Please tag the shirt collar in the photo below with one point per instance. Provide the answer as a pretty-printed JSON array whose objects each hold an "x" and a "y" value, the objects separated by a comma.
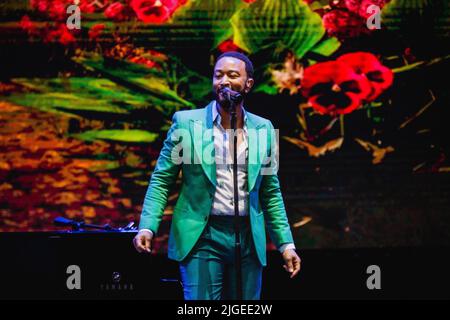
[{"x": 216, "y": 117}]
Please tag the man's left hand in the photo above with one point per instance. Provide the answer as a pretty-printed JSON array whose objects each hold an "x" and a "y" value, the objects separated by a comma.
[{"x": 292, "y": 262}]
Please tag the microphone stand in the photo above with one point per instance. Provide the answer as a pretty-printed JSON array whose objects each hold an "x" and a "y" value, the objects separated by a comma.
[
  {"x": 237, "y": 231},
  {"x": 81, "y": 225}
]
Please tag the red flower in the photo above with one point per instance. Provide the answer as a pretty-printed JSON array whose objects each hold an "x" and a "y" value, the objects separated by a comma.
[
  {"x": 65, "y": 37},
  {"x": 156, "y": 54},
  {"x": 334, "y": 88},
  {"x": 409, "y": 56},
  {"x": 344, "y": 24},
  {"x": 228, "y": 45},
  {"x": 95, "y": 31},
  {"x": 352, "y": 5},
  {"x": 40, "y": 5},
  {"x": 60, "y": 34},
  {"x": 87, "y": 6},
  {"x": 26, "y": 24},
  {"x": 145, "y": 62},
  {"x": 57, "y": 9},
  {"x": 249, "y": 1},
  {"x": 367, "y": 65},
  {"x": 360, "y": 6},
  {"x": 155, "y": 11},
  {"x": 115, "y": 11},
  {"x": 337, "y": 4}
]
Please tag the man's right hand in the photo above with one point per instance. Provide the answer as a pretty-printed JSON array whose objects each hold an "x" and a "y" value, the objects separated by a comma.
[{"x": 143, "y": 241}]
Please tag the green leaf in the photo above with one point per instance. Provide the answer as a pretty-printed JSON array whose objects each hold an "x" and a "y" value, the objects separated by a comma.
[
  {"x": 408, "y": 67},
  {"x": 266, "y": 88},
  {"x": 327, "y": 47},
  {"x": 421, "y": 64},
  {"x": 277, "y": 23},
  {"x": 135, "y": 136},
  {"x": 110, "y": 165},
  {"x": 138, "y": 78},
  {"x": 77, "y": 95},
  {"x": 315, "y": 5},
  {"x": 207, "y": 21}
]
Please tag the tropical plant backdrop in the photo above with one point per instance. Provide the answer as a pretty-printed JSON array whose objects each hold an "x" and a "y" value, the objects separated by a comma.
[{"x": 362, "y": 109}]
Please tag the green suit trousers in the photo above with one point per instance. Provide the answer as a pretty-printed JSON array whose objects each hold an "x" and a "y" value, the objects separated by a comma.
[{"x": 209, "y": 271}]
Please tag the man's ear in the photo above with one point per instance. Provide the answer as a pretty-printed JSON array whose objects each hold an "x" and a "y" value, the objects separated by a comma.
[{"x": 249, "y": 84}]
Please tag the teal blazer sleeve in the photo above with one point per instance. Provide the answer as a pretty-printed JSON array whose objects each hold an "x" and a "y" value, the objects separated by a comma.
[
  {"x": 272, "y": 200},
  {"x": 163, "y": 177}
]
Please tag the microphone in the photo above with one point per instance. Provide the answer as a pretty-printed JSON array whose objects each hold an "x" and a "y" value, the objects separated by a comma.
[
  {"x": 231, "y": 95},
  {"x": 61, "y": 221}
]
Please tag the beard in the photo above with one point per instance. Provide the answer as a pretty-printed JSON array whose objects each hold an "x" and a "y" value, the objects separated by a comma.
[{"x": 224, "y": 102}]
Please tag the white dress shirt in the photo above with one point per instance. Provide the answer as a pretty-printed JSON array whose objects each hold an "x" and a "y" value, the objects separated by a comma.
[{"x": 223, "y": 202}]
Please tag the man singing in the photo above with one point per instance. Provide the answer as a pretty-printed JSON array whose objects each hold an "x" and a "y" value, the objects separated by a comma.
[{"x": 202, "y": 235}]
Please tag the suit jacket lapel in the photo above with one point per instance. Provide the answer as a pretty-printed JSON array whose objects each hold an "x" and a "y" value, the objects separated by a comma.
[
  {"x": 203, "y": 139},
  {"x": 257, "y": 147}
]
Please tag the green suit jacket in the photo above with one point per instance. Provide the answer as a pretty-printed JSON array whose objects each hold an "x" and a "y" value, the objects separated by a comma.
[{"x": 189, "y": 131}]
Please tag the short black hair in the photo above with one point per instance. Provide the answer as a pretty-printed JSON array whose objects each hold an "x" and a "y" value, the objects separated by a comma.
[{"x": 242, "y": 57}]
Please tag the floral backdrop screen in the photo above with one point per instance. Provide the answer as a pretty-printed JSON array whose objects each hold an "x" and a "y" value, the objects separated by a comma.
[{"x": 358, "y": 89}]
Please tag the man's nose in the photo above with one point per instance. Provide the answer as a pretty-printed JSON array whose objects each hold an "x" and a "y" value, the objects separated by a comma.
[{"x": 225, "y": 82}]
